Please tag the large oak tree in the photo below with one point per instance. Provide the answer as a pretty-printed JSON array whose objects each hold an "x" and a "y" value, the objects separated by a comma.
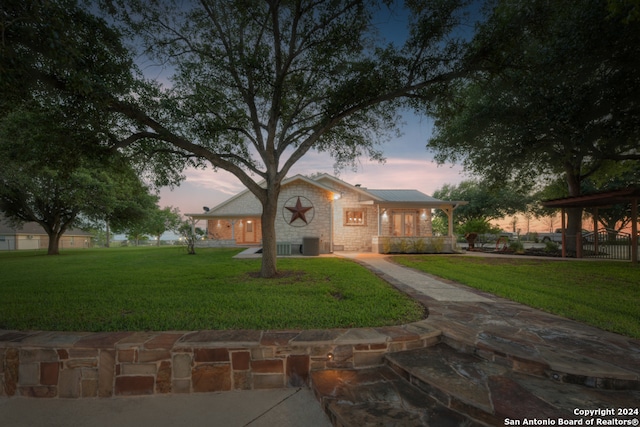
[
  {"x": 255, "y": 85},
  {"x": 54, "y": 174},
  {"x": 556, "y": 96}
]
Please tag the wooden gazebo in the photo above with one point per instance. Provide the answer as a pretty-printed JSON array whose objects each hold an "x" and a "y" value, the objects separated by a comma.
[{"x": 600, "y": 200}]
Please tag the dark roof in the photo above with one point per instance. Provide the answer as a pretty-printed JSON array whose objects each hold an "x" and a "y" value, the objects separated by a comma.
[
  {"x": 606, "y": 198},
  {"x": 402, "y": 195}
]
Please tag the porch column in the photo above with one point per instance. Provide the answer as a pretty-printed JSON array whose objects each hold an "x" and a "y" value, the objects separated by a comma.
[
  {"x": 449, "y": 211},
  {"x": 564, "y": 234},
  {"x": 595, "y": 232},
  {"x": 233, "y": 229},
  {"x": 634, "y": 230}
]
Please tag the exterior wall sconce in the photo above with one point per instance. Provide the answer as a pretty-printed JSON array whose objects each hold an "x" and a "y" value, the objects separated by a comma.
[{"x": 330, "y": 357}]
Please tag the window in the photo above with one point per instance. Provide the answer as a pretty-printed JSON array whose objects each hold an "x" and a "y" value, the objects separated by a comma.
[{"x": 354, "y": 217}]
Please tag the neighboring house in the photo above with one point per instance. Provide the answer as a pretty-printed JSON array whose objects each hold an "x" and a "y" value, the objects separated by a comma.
[
  {"x": 336, "y": 216},
  {"x": 32, "y": 236}
]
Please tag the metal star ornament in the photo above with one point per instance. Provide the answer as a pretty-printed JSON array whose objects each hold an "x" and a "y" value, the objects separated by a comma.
[{"x": 299, "y": 211}]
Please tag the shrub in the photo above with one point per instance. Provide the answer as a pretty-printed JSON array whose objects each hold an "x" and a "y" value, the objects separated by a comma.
[
  {"x": 386, "y": 246},
  {"x": 419, "y": 246},
  {"x": 480, "y": 226},
  {"x": 516, "y": 246},
  {"x": 551, "y": 246},
  {"x": 438, "y": 244}
]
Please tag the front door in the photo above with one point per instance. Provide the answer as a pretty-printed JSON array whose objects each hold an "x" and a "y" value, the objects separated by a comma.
[
  {"x": 404, "y": 224},
  {"x": 250, "y": 231}
]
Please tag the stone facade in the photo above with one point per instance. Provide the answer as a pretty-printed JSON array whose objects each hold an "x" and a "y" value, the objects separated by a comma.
[
  {"x": 357, "y": 236},
  {"x": 90, "y": 365},
  {"x": 341, "y": 216}
]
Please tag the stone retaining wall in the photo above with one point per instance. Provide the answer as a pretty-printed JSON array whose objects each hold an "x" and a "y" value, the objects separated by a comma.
[{"x": 79, "y": 365}]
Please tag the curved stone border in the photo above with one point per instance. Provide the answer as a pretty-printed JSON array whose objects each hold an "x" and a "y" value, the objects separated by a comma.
[{"x": 84, "y": 364}]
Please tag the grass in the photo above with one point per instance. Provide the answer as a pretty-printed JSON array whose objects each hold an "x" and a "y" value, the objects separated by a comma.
[
  {"x": 605, "y": 294},
  {"x": 137, "y": 289}
]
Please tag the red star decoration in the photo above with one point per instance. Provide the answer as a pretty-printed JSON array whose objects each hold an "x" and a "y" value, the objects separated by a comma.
[{"x": 299, "y": 211}]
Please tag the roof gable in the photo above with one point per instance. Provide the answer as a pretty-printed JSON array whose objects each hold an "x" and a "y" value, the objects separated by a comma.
[
  {"x": 332, "y": 180},
  {"x": 246, "y": 203}
]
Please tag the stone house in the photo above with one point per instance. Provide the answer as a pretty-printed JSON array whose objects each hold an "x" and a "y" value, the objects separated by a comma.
[{"x": 334, "y": 215}]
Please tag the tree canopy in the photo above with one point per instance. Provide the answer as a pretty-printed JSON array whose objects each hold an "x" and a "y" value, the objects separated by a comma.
[
  {"x": 253, "y": 85},
  {"x": 484, "y": 201},
  {"x": 556, "y": 95},
  {"x": 54, "y": 175}
]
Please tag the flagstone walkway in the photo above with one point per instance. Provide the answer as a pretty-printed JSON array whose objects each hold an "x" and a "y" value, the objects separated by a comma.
[{"x": 498, "y": 361}]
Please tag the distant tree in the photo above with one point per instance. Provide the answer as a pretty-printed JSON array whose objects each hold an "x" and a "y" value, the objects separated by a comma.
[
  {"x": 142, "y": 226},
  {"x": 190, "y": 234},
  {"x": 556, "y": 96},
  {"x": 484, "y": 201},
  {"x": 54, "y": 173},
  {"x": 131, "y": 206},
  {"x": 611, "y": 175},
  {"x": 154, "y": 221},
  {"x": 254, "y": 86},
  {"x": 479, "y": 225},
  {"x": 614, "y": 176},
  {"x": 163, "y": 220}
]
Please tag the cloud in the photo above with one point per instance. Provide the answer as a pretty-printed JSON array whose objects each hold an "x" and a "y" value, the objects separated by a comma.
[
  {"x": 208, "y": 179},
  {"x": 403, "y": 173}
]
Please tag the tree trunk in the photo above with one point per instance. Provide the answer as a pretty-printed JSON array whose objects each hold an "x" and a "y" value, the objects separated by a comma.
[
  {"x": 574, "y": 230},
  {"x": 574, "y": 215},
  {"x": 54, "y": 243},
  {"x": 269, "y": 213}
]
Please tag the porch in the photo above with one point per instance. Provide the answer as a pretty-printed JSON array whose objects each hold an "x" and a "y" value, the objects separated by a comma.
[{"x": 595, "y": 201}]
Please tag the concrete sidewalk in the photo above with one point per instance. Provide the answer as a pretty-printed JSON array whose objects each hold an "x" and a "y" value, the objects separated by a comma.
[
  {"x": 422, "y": 283},
  {"x": 259, "y": 408}
]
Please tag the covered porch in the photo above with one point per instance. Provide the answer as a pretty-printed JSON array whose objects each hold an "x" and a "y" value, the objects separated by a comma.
[
  {"x": 598, "y": 238},
  {"x": 406, "y": 227},
  {"x": 228, "y": 230}
]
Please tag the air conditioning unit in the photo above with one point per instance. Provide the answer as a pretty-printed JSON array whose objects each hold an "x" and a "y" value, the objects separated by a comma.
[{"x": 283, "y": 248}]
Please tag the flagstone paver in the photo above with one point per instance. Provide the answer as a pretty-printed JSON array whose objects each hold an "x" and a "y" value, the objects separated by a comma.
[{"x": 497, "y": 363}]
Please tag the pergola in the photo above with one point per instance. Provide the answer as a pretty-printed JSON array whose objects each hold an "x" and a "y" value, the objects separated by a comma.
[{"x": 600, "y": 200}]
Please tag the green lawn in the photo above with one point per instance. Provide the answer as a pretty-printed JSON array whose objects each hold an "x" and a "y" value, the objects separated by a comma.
[
  {"x": 135, "y": 289},
  {"x": 605, "y": 294}
]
